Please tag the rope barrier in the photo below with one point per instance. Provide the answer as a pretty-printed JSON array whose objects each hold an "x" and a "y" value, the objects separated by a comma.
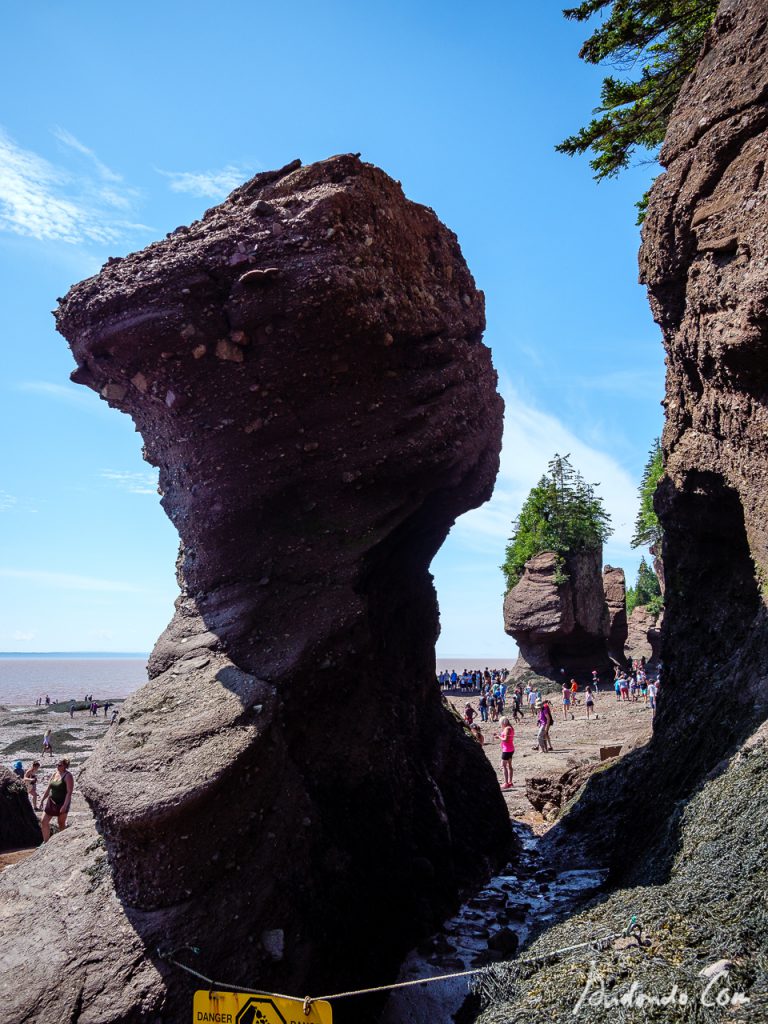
[{"x": 597, "y": 944}]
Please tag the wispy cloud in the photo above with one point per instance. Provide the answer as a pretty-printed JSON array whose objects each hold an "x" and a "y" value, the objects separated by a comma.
[
  {"x": 50, "y": 202},
  {"x": 66, "y": 581},
  {"x": 135, "y": 483},
  {"x": 23, "y": 636},
  {"x": 531, "y": 438},
  {"x": 73, "y": 394},
  {"x": 624, "y": 382},
  {"x": 7, "y": 501},
  {"x": 208, "y": 184}
]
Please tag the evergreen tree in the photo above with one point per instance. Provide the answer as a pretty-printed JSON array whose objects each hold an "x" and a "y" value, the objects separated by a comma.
[
  {"x": 647, "y": 526},
  {"x": 646, "y": 590},
  {"x": 655, "y": 45},
  {"x": 563, "y": 514}
]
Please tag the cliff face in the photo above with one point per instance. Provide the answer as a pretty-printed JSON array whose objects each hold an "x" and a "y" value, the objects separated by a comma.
[
  {"x": 704, "y": 259},
  {"x": 705, "y": 262},
  {"x": 559, "y": 625},
  {"x": 305, "y": 366}
]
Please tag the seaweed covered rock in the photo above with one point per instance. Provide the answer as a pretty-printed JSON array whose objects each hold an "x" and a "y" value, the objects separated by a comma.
[
  {"x": 306, "y": 368},
  {"x": 559, "y": 625},
  {"x": 19, "y": 827}
]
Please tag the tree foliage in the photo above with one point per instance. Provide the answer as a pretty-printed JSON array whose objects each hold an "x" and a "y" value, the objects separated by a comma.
[
  {"x": 646, "y": 590},
  {"x": 562, "y": 513},
  {"x": 647, "y": 526},
  {"x": 654, "y": 45}
]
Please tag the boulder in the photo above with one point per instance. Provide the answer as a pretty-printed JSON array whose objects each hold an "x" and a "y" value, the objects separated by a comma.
[
  {"x": 550, "y": 793},
  {"x": 559, "y": 625},
  {"x": 19, "y": 827},
  {"x": 306, "y": 368}
]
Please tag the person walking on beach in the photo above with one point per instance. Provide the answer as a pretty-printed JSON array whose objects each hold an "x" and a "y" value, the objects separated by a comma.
[
  {"x": 550, "y": 722},
  {"x": 71, "y": 709},
  {"x": 30, "y": 781},
  {"x": 57, "y": 798},
  {"x": 47, "y": 743},
  {"x": 507, "y": 740},
  {"x": 566, "y": 700},
  {"x": 589, "y": 701}
]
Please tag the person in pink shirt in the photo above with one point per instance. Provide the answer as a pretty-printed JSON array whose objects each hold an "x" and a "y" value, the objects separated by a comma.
[{"x": 507, "y": 739}]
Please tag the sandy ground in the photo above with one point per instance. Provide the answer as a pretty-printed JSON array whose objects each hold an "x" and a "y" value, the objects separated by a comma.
[{"x": 575, "y": 740}]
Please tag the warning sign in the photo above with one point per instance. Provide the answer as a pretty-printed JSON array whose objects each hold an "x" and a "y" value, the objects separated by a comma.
[{"x": 241, "y": 1008}]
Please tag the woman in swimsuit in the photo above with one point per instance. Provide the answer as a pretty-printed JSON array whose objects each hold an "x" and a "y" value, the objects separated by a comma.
[
  {"x": 57, "y": 798},
  {"x": 30, "y": 780}
]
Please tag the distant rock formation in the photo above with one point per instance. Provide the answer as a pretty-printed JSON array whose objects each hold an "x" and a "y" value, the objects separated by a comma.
[
  {"x": 560, "y": 625},
  {"x": 615, "y": 588},
  {"x": 644, "y": 637},
  {"x": 19, "y": 828},
  {"x": 306, "y": 367}
]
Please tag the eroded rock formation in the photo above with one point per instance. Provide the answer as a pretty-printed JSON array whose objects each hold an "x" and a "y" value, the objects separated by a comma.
[
  {"x": 644, "y": 637},
  {"x": 306, "y": 368},
  {"x": 19, "y": 827},
  {"x": 559, "y": 625},
  {"x": 704, "y": 259},
  {"x": 615, "y": 588}
]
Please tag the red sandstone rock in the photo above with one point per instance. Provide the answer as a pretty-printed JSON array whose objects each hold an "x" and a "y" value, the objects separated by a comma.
[
  {"x": 615, "y": 589},
  {"x": 561, "y": 625},
  {"x": 18, "y": 825},
  {"x": 306, "y": 368}
]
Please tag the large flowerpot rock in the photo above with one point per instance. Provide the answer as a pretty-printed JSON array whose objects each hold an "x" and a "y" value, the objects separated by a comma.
[{"x": 306, "y": 368}]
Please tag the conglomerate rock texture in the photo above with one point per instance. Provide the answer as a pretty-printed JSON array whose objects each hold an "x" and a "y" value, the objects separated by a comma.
[
  {"x": 560, "y": 628},
  {"x": 644, "y": 637},
  {"x": 704, "y": 259},
  {"x": 288, "y": 793}
]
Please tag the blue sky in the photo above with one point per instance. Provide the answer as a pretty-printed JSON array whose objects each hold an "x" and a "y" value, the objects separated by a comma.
[{"x": 120, "y": 122}]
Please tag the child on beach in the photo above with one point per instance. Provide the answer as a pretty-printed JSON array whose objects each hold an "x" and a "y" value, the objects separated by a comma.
[
  {"x": 30, "y": 780},
  {"x": 47, "y": 744}
]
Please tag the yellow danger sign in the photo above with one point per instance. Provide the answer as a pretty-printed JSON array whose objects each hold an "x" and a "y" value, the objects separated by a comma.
[{"x": 242, "y": 1008}]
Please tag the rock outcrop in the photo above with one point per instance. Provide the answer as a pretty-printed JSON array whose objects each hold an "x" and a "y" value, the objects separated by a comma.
[
  {"x": 559, "y": 625},
  {"x": 306, "y": 368},
  {"x": 615, "y": 588},
  {"x": 644, "y": 637},
  {"x": 705, "y": 261},
  {"x": 19, "y": 827}
]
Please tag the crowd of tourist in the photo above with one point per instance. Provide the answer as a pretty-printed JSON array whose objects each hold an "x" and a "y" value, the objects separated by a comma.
[{"x": 498, "y": 702}]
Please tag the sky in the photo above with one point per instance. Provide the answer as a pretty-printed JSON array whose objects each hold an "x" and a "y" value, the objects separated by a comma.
[{"x": 121, "y": 122}]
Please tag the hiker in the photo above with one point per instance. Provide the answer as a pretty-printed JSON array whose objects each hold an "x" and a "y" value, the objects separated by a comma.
[
  {"x": 507, "y": 741},
  {"x": 47, "y": 742},
  {"x": 469, "y": 714},
  {"x": 574, "y": 691},
  {"x": 483, "y": 704},
  {"x": 30, "y": 781},
  {"x": 57, "y": 798}
]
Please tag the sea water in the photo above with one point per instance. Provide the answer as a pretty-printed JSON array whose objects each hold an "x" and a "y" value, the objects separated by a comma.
[{"x": 63, "y": 677}]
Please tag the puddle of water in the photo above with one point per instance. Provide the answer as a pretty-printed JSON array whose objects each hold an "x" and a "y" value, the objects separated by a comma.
[{"x": 505, "y": 912}]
